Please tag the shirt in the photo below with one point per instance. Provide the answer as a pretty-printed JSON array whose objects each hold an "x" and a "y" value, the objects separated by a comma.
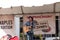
[{"x": 33, "y": 23}]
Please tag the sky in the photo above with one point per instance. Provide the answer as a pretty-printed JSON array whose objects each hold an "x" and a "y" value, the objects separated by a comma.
[{"x": 9, "y": 3}]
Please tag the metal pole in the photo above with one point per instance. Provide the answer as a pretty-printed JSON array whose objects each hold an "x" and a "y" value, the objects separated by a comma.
[{"x": 22, "y": 13}]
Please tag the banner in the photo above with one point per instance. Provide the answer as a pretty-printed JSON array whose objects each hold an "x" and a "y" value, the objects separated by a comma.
[
  {"x": 44, "y": 23},
  {"x": 6, "y": 21}
]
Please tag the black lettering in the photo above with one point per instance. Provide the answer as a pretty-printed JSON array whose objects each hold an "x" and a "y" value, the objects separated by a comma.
[{"x": 6, "y": 27}]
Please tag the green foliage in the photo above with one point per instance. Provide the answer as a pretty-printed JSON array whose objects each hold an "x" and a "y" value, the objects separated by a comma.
[{"x": 21, "y": 35}]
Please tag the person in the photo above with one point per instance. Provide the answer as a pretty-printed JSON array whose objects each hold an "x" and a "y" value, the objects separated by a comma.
[
  {"x": 30, "y": 23},
  {"x": 9, "y": 36},
  {"x": 14, "y": 38},
  {"x": 6, "y": 37}
]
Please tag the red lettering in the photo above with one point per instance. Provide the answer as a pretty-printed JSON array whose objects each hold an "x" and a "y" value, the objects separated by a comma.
[{"x": 43, "y": 16}]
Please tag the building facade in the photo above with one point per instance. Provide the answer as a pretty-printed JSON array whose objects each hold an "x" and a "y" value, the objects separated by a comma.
[{"x": 14, "y": 17}]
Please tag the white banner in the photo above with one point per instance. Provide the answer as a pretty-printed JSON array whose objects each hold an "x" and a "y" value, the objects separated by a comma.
[
  {"x": 44, "y": 23},
  {"x": 6, "y": 21}
]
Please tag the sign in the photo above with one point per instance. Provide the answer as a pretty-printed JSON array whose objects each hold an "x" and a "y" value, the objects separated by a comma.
[
  {"x": 44, "y": 23},
  {"x": 53, "y": 38},
  {"x": 6, "y": 21}
]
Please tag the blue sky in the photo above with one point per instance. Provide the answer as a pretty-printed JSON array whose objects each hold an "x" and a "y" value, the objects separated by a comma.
[{"x": 9, "y": 3}]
